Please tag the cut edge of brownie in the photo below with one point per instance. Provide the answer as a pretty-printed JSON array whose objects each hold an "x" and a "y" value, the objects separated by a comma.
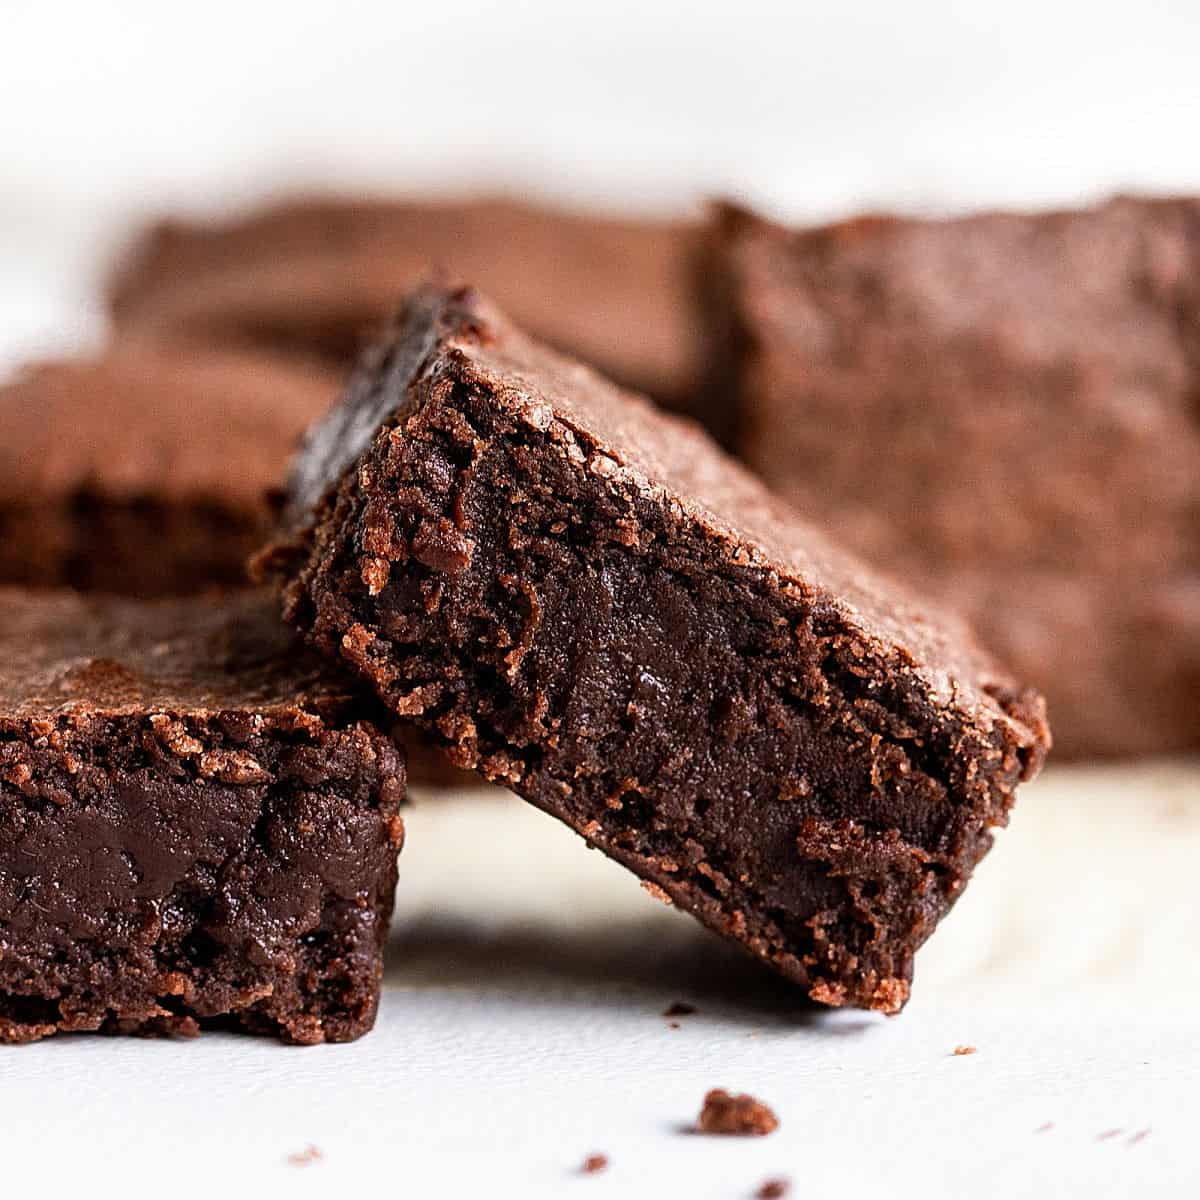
[
  {"x": 196, "y": 865},
  {"x": 496, "y": 572}
]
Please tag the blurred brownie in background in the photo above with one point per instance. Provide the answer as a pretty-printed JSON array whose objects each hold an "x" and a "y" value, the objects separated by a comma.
[
  {"x": 1005, "y": 410},
  {"x": 324, "y": 274},
  {"x": 146, "y": 471}
]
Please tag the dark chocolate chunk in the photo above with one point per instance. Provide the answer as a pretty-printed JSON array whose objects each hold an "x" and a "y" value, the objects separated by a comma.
[
  {"x": 198, "y": 822},
  {"x": 584, "y": 599},
  {"x": 1001, "y": 409}
]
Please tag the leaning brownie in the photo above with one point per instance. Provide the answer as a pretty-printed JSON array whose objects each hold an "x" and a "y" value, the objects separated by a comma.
[
  {"x": 146, "y": 471},
  {"x": 197, "y": 822},
  {"x": 1001, "y": 409},
  {"x": 587, "y": 601},
  {"x": 325, "y": 274}
]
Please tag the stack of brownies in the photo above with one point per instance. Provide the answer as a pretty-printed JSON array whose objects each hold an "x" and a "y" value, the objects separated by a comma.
[{"x": 486, "y": 552}]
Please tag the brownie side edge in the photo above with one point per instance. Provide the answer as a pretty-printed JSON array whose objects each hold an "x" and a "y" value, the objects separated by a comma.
[{"x": 169, "y": 871}]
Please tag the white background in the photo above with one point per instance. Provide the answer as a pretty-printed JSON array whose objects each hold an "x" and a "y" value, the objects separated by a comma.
[
  {"x": 520, "y": 1028},
  {"x": 112, "y": 108}
]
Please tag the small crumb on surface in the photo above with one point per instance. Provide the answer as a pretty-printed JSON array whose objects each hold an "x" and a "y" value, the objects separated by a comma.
[
  {"x": 674, "y": 1025},
  {"x": 594, "y": 1164},
  {"x": 679, "y": 1009},
  {"x": 959, "y": 1051},
  {"x": 774, "y": 1189},
  {"x": 305, "y": 1157},
  {"x": 741, "y": 1115}
]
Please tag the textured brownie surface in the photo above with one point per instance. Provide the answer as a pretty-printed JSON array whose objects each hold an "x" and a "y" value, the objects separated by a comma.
[
  {"x": 1004, "y": 410},
  {"x": 326, "y": 274},
  {"x": 587, "y": 601},
  {"x": 146, "y": 471},
  {"x": 196, "y": 823}
]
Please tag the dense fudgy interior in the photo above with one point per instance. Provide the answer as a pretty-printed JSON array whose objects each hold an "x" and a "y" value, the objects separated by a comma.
[
  {"x": 731, "y": 740},
  {"x": 159, "y": 873}
]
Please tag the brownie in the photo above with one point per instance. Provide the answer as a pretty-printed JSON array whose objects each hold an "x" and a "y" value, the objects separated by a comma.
[
  {"x": 146, "y": 471},
  {"x": 586, "y": 600},
  {"x": 198, "y": 823},
  {"x": 320, "y": 274},
  {"x": 1003, "y": 410}
]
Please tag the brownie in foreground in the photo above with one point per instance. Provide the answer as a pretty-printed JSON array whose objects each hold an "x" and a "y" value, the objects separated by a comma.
[
  {"x": 145, "y": 471},
  {"x": 587, "y": 601},
  {"x": 196, "y": 822},
  {"x": 1001, "y": 409}
]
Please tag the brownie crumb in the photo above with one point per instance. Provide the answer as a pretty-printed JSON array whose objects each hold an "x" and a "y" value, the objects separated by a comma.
[
  {"x": 680, "y": 1009},
  {"x": 594, "y": 1164},
  {"x": 774, "y": 1189},
  {"x": 741, "y": 1115},
  {"x": 674, "y": 1025},
  {"x": 959, "y": 1051},
  {"x": 306, "y": 1157},
  {"x": 660, "y": 894}
]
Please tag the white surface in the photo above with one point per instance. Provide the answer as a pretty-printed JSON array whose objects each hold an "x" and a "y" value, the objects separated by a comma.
[
  {"x": 521, "y": 1030},
  {"x": 521, "y": 1025}
]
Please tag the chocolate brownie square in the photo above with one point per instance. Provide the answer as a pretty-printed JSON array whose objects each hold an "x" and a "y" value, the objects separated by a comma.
[
  {"x": 146, "y": 471},
  {"x": 1001, "y": 409},
  {"x": 586, "y": 600},
  {"x": 198, "y": 823},
  {"x": 324, "y": 274}
]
